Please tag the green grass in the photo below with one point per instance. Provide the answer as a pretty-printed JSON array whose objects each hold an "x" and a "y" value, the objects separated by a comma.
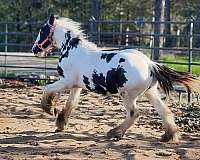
[
  {"x": 7, "y": 74},
  {"x": 181, "y": 59}
]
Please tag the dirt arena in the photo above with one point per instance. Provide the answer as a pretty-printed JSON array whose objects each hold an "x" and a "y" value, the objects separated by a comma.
[{"x": 26, "y": 132}]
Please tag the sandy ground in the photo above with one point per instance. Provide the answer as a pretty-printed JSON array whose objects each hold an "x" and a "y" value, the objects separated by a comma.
[{"x": 26, "y": 132}]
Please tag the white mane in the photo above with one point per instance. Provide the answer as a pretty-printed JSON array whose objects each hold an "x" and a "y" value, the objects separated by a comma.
[{"x": 75, "y": 28}]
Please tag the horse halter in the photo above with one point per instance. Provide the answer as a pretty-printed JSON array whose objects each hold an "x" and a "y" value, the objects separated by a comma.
[{"x": 49, "y": 38}]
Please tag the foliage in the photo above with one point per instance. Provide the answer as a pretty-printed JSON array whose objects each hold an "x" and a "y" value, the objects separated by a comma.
[
  {"x": 181, "y": 59},
  {"x": 14, "y": 10}
]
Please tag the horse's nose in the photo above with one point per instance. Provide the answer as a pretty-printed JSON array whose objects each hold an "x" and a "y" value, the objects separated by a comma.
[{"x": 35, "y": 49}]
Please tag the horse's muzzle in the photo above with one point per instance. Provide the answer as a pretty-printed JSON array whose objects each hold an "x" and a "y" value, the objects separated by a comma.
[{"x": 36, "y": 49}]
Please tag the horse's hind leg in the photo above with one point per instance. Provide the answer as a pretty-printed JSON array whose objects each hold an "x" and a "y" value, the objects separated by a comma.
[
  {"x": 129, "y": 100},
  {"x": 72, "y": 102},
  {"x": 171, "y": 133}
]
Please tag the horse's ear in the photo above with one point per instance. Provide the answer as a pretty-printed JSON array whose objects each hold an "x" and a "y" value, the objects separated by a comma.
[{"x": 51, "y": 19}]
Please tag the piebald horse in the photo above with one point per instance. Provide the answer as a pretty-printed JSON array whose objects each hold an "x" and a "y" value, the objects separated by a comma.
[{"x": 82, "y": 65}]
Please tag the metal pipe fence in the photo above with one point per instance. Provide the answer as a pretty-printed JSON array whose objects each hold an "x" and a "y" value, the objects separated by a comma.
[{"x": 19, "y": 37}]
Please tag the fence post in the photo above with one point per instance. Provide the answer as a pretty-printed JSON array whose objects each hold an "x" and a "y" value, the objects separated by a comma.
[
  {"x": 6, "y": 48},
  {"x": 92, "y": 29},
  {"x": 151, "y": 43},
  {"x": 127, "y": 36},
  {"x": 6, "y": 37},
  {"x": 99, "y": 33},
  {"x": 156, "y": 52},
  {"x": 95, "y": 17},
  {"x": 191, "y": 23},
  {"x": 190, "y": 46}
]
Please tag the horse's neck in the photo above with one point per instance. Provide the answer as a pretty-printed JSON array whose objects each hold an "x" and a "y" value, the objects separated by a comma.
[
  {"x": 59, "y": 37},
  {"x": 64, "y": 39}
]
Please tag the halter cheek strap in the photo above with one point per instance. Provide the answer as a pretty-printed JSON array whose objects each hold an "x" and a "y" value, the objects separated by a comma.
[{"x": 49, "y": 38}]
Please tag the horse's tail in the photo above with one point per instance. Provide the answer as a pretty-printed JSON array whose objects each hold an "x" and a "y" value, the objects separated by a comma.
[{"x": 166, "y": 77}]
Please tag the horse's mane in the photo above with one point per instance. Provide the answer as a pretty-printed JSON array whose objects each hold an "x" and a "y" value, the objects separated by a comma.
[{"x": 75, "y": 28}]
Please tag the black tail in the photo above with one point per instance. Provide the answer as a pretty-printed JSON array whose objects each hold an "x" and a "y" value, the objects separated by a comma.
[{"x": 166, "y": 78}]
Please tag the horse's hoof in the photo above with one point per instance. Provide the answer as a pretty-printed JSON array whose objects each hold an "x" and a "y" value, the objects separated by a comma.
[
  {"x": 172, "y": 138},
  {"x": 59, "y": 130},
  {"x": 115, "y": 134}
]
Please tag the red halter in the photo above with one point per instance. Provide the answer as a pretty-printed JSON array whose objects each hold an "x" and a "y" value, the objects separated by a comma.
[{"x": 49, "y": 38}]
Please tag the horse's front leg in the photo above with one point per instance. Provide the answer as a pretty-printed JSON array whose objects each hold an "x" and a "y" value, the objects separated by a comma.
[
  {"x": 72, "y": 102},
  {"x": 49, "y": 95}
]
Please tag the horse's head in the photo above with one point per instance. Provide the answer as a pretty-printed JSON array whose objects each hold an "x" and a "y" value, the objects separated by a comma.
[
  {"x": 62, "y": 33},
  {"x": 44, "y": 42}
]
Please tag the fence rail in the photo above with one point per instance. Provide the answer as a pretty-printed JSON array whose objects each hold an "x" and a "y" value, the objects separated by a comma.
[{"x": 19, "y": 37}]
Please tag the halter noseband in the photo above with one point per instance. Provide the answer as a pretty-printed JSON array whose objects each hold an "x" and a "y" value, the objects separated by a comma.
[{"x": 49, "y": 38}]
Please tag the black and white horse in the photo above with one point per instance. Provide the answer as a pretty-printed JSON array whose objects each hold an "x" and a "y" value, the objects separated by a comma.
[{"x": 128, "y": 72}]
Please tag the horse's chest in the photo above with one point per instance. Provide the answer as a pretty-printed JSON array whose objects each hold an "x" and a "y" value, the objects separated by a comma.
[{"x": 107, "y": 81}]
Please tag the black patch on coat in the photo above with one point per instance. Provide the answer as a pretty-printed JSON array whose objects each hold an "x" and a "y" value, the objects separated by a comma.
[
  {"x": 64, "y": 48},
  {"x": 66, "y": 42},
  {"x": 69, "y": 43},
  {"x": 108, "y": 56},
  {"x": 60, "y": 71},
  {"x": 121, "y": 60},
  {"x": 151, "y": 73},
  {"x": 87, "y": 83},
  {"x": 114, "y": 79},
  {"x": 99, "y": 83},
  {"x": 74, "y": 42}
]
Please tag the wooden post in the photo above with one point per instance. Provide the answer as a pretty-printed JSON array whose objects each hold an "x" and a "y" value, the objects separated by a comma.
[{"x": 157, "y": 11}]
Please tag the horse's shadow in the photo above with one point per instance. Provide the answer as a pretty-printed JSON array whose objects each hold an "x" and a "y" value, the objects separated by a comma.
[
  {"x": 34, "y": 139},
  {"x": 126, "y": 149}
]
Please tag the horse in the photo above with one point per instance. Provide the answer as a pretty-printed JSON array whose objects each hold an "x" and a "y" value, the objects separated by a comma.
[{"x": 128, "y": 72}]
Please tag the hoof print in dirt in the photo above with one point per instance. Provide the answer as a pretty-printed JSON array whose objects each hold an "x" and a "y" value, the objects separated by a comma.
[{"x": 115, "y": 134}]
